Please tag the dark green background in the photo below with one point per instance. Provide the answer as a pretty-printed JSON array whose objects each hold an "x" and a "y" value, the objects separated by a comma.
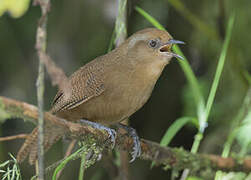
[{"x": 79, "y": 31}]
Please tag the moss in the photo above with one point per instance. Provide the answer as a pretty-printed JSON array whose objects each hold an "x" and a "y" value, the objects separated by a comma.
[
  {"x": 3, "y": 114},
  {"x": 12, "y": 111},
  {"x": 201, "y": 167},
  {"x": 92, "y": 151}
]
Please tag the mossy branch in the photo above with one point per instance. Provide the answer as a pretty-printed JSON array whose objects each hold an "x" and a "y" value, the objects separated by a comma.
[{"x": 169, "y": 157}]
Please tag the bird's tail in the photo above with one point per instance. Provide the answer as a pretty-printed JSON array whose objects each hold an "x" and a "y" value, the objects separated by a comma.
[{"x": 51, "y": 135}]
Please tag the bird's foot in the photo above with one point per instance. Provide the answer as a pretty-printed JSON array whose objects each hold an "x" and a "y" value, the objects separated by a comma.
[
  {"x": 112, "y": 133},
  {"x": 136, "y": 147}
]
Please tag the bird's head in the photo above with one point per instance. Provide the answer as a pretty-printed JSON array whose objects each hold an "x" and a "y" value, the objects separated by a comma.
[{"x": 152, "y": 45}]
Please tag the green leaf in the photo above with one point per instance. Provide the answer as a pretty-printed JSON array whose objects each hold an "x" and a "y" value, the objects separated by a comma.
[
  {"x": 205, "y": 112},
  {"x": 244, "y": 132}
]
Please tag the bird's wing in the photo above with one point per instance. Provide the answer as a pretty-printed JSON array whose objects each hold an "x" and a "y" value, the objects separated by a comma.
[{"x": 85, "y": 84}]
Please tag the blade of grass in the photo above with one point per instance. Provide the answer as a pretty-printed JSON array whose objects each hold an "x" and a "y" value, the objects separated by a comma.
[
  {"x": 211, "y": 97},
  {"x": 4, "y": 164},
  {"x": 174, "y": 129},
  {"x": 64, "y": 162},
  {"x": 215, "y": 83},
  {"x": 81, "y": 168},
  {"x": 220, "y": 66},
  {"x": 12, "y": 171}
]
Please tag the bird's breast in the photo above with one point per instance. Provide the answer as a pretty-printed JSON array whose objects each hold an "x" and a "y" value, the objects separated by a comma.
[{"x": 127, "y": 91}]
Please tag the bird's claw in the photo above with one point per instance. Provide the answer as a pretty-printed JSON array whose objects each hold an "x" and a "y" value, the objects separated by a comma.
[
  {"x": 112, "y": 133},
  {"x": 136, "y": 152}
]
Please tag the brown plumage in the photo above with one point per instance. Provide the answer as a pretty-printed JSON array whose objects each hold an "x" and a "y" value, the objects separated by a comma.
[{"x": 110, "y": 88}]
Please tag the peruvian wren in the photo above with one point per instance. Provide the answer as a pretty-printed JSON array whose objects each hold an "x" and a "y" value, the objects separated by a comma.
[{"x": 112, "y": 87}]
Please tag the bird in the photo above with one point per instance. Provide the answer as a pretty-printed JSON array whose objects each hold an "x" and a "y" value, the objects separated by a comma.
[{"x": 110, "y": 88}]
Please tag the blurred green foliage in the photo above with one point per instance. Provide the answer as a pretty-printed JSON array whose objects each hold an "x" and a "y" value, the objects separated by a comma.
[
  {"x": 9, "y": 170},
  {"x": 78, "y": 31}
]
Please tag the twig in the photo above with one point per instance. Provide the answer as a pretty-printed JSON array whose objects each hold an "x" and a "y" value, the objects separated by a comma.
[
  {"x": 41, "y": 48},
  {"x": 170, "y": 157},
  {"x": 70, "y": 148},
  {"x": 9, "y": 138},
  {"x": 40, "y": 95}
]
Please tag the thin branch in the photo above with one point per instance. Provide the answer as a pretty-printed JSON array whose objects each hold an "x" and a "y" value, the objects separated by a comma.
[
  {"x": 41, "y": 48},
  {"x": 9, "y": 138},
  {"x": 40, "y": 96},
  {"x": 170, "y": 157},
  {"x": 121, "y": 34},
  {"x": 56, "y": 74},
  {"x": 70, "y": 148}
]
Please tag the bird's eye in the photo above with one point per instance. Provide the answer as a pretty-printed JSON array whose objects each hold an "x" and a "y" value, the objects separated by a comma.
[{"x": 153, "y": 43}]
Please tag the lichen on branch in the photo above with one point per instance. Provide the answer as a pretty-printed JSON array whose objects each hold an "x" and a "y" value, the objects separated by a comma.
[{"x": 169, "y": 157}]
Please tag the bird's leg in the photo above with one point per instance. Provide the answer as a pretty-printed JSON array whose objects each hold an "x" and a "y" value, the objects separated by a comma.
[
  {"x": 112, "y": 133},
  {"x": 136, "y": 147}
]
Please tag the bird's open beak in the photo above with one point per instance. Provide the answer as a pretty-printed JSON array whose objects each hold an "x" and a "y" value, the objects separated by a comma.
[{"x": 166, "y": 48}]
